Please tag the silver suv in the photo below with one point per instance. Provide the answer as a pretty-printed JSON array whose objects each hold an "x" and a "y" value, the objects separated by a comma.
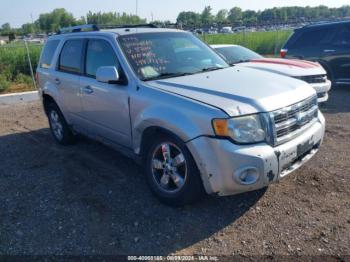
[{"x": 166, "y": 99}]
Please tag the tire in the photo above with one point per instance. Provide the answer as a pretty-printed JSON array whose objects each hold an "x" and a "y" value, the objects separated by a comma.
[
  {"x": 58, "y": 125},
  {"x": 164, "y": 176}
]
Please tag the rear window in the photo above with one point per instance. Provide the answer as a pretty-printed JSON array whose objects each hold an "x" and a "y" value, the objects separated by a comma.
[
  {"x": 48, "y": 52},
  {"x": 70, "y": 57}
]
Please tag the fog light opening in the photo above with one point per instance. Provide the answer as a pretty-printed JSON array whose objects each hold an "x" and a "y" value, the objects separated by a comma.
[{"x": 247, "y": 176}]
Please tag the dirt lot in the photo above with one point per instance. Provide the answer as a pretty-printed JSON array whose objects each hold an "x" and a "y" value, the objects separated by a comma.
[{"x": 88, "y": 199}]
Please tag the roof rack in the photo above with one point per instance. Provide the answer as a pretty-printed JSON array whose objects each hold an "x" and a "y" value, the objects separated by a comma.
[
  {"x": 93, "y": 27},
  {"x": 127, "y": 26},
  {"x": 78, "y": 28}
]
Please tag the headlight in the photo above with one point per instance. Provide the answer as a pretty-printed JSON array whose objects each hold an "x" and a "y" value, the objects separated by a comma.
[{"x": 243, "y": 130}]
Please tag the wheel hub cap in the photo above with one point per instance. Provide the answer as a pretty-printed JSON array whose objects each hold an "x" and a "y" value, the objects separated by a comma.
[{"x": 169, "y": 168}]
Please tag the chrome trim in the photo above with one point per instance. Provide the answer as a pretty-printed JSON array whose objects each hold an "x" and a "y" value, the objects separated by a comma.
[{"x": 290, "y": 121}]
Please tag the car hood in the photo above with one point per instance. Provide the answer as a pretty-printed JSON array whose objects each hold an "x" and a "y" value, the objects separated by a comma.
[
  {"x": 289, "y": 67},
  {"x": 238, "y": 90}
]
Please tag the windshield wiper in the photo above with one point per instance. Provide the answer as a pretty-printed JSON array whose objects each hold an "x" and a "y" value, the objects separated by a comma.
[
  {"x": 207, "y": 69},
  {"x": 239, "y": 61},
  {"x": 165, "y": 75}
]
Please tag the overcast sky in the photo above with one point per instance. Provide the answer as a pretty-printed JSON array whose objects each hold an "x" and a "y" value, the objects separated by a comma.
[{"x": 18, "y": 12}]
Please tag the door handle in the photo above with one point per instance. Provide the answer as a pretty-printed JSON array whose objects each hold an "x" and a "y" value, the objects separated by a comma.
[
  {"x": 329, "y": 50},
  {"x": 57, "y": 81},
  {"x": 87, "y": 90}
]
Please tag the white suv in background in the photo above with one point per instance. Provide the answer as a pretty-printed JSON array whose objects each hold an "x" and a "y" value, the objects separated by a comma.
[{"x": 310, "y": 72}]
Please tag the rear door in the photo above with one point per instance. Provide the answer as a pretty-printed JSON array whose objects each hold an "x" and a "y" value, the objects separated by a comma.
[
  {"x": 337, "y": 54},
  {"x": 105, "y": 106},
  {"x": 67, "y": 79},
  {"x": 307, "y": 43}
]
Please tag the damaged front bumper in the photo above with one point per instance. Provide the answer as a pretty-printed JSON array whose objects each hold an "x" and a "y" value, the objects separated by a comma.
[{"x": 229, "y": 169}]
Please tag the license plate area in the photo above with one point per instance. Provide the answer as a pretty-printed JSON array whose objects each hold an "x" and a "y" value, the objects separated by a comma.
[
  {"x": 304, "y": 148},
  {"x": 301, "y": 151}
]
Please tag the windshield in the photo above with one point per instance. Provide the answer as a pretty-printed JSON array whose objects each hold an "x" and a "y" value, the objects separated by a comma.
[
  {"x": 237, "y": 54},
  {"x": 168, "y": 54}
]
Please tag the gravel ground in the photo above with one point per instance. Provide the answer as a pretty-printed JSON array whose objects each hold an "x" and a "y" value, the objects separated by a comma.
[{"x": 87, "y": 199}]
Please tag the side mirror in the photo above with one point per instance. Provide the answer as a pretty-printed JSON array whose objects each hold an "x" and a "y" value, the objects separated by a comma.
[{"x": 107, "y": 74}]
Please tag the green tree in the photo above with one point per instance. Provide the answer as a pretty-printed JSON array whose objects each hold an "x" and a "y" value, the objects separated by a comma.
[
  {"x": 235, "y": 15},
  {"x": 206, "y": 16},
  {"x": 221, "y": 16},
  {"x": 28, "y": 28},
  {"x": 58, "y": 18},
  {"x": 113, "y": 18},
  {"x": 250, "y": 17},
  {"x": 5, "y": 29},
  {"x": 188, "y": 19}
]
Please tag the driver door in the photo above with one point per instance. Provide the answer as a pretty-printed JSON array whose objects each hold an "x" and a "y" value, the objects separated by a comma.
[{"x": 105, "y": 106}]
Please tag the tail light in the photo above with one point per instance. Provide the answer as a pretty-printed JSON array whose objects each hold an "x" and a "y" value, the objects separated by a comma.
[{"x": 283, "y": 53}]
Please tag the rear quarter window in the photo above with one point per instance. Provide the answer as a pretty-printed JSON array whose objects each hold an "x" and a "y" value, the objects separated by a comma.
[{"x": 48, "y": 53}]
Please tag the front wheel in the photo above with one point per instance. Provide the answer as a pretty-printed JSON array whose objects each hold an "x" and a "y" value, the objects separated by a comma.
[{"x": 172, "y": 173}]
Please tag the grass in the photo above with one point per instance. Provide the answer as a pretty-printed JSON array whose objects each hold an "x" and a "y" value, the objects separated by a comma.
[
  {"x": 14, "y": 66},
  {"x": 265, "y": 43},
  {"x": 15, "y": 71}
]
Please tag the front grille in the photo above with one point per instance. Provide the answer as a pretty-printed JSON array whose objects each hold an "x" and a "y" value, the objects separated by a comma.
[
  {"x": 313, "y": 79},
  {"x": 292, "y": 120}
]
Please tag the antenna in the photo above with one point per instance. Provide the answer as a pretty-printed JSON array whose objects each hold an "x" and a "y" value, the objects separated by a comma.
[{"x": 136, "y": 7}]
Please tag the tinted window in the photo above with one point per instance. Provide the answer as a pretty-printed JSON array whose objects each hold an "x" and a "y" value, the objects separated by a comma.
[
  {"x": 237, "y": 54},
  {"x": 99, "y": 53},
  {"x": 70, "y": 57},
  {"x": 342, "y": 37},
  {"x": 48, "y": 52},
  {"x": 312, "y": 38}
]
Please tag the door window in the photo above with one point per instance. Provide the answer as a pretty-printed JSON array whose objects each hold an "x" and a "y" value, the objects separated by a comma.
[
  {"x": 70, "y": 57},
  {"x": 99, "y": 53},
  {"x": 342, "y": 37}
]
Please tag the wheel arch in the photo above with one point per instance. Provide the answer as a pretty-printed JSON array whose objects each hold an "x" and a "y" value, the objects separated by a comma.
[
  {"x": 149, "y": 133},
  {"x": 47, "y": 99},
  {"x": 328, "y": 69}
]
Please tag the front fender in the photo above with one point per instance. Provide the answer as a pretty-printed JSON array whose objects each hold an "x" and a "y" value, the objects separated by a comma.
[{"x": 172, "y": 120}]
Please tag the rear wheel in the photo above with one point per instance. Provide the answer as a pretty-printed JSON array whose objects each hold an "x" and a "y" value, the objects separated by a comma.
[
  {"x": 58, "y": 125},
  {"x": 172, "y": 173}
]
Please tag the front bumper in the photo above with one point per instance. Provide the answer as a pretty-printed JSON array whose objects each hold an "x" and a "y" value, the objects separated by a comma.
[
  {"x": 220, "y": 161},
  {"x": 322, "y": 90}
]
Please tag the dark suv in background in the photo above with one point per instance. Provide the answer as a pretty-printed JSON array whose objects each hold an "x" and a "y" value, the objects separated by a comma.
[{"x": 326, "y": 43}]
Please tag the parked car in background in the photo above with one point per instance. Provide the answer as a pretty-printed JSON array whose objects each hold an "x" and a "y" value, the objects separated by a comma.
[
  {"x": 226, "y": 30},
  {"x": 164, "y": 98},
  {"x": 326, "y": 43},
  {"x": 312, "y": 73}
]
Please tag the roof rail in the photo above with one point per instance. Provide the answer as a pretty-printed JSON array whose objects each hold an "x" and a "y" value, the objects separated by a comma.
[
  {"x": 127, "y": 26},
  {"x": 78, "y": 28},
  {"x": 327, "y": 22},
  {"x": 93, "y": 27}
]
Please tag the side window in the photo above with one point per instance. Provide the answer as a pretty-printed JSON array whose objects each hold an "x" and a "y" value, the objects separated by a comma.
[
  {"x": 48, "y": 52},
  {"x": 342, "y": 37},
  {"x": 99, "y": 53},
  {"x": 70, "y": 57},
  {"x": 312, "y": 38}
]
